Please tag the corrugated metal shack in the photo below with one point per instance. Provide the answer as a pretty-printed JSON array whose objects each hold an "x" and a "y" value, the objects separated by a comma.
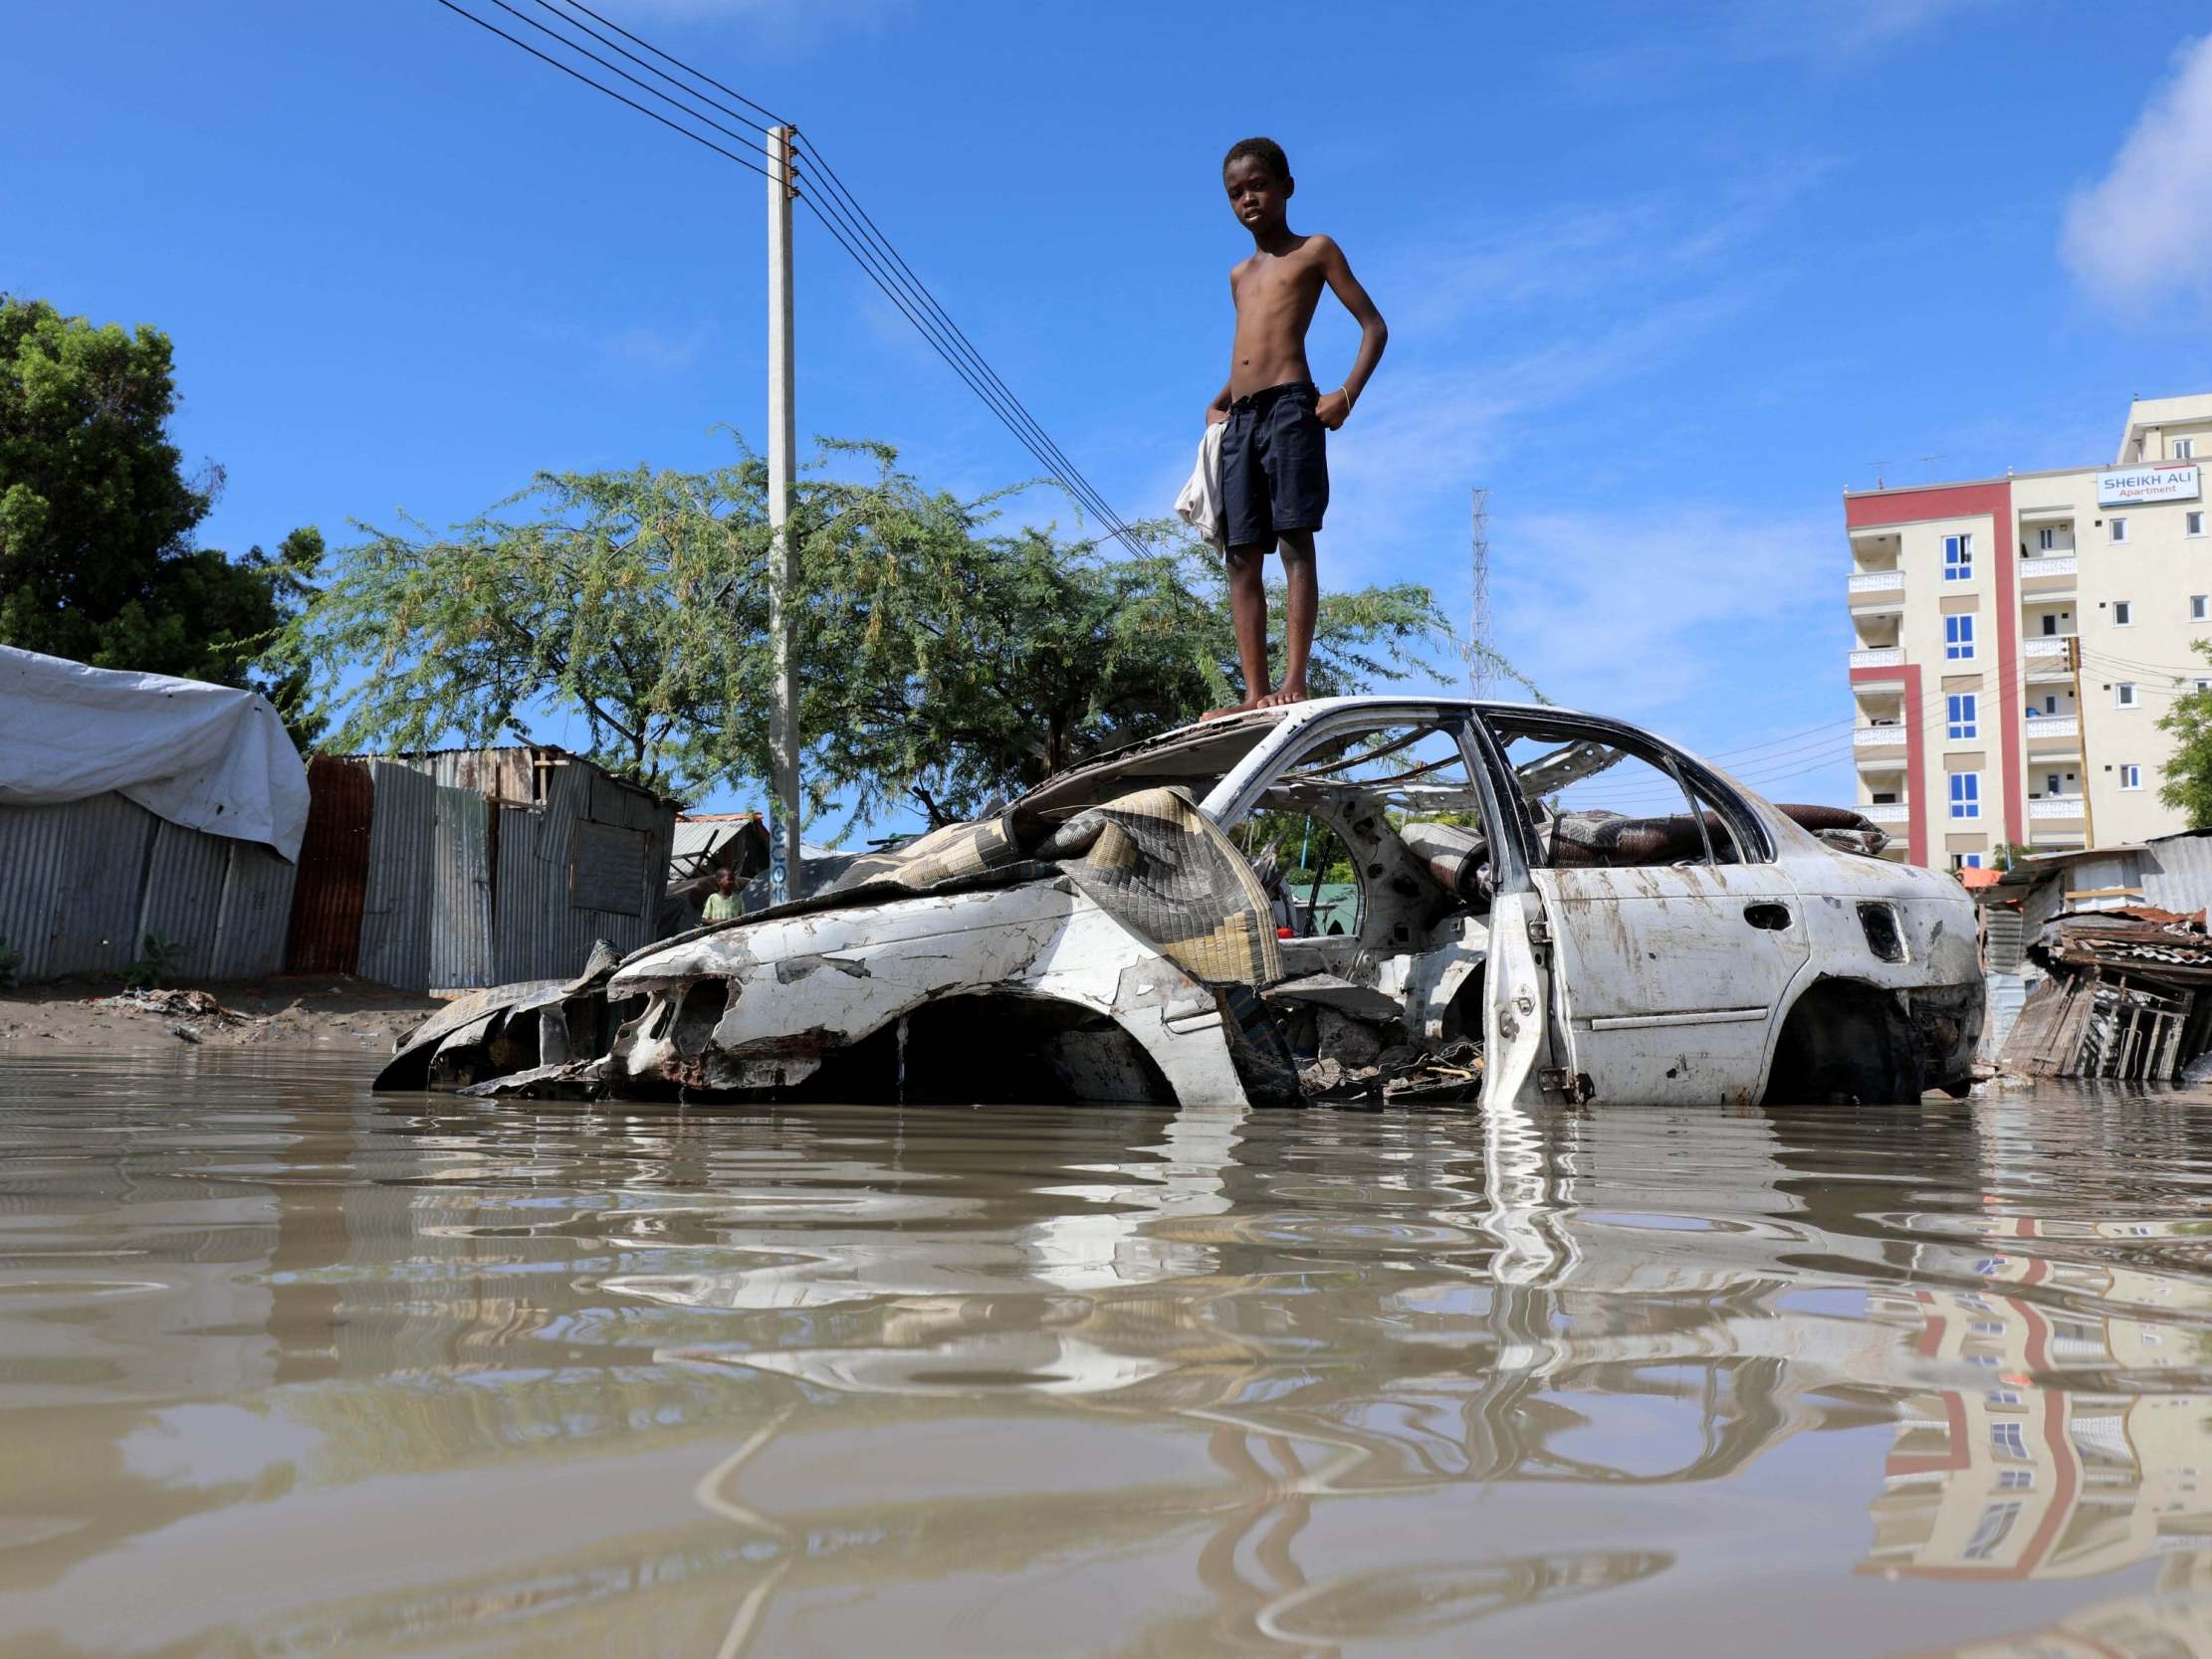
[
  {"x": 2093, "y": 960},
  {"x": 142, "y": 804},
  {"x": 83, "y": 883},
  {"x": 465, "y": 868}
]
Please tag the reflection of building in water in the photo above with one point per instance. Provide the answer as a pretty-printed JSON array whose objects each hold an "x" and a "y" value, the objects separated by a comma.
[
  {"x": 2175, "y": 1622},
  {"x": 2043, "y": 1468}
]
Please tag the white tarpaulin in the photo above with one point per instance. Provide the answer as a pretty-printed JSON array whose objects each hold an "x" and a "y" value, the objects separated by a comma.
[{"x": 205, "y": 757}]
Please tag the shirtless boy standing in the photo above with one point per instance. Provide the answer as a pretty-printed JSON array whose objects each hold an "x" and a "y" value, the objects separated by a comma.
[{"x": 1274, "y": 461}]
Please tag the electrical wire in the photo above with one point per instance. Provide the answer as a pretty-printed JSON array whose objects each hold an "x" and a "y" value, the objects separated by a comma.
[
  {"x": 669, "y": 57},
  {"x": 1076, "y": 486},
  {"x": 1764, "y": 773},
  {"x": 837, "y": 184},
  {"x": 616, "y": 68},
  {"x": 839, "y": 212},
  {"x": 847, "y": 233},
  {"x": 688, "y": 91},
  {"x": 595, "y": 86}
]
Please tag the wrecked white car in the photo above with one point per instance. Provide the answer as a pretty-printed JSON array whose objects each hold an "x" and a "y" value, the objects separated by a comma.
[{"x": 1529, "y": 903}]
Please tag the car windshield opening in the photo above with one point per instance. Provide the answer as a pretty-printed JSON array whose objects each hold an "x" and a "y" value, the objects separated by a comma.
[{"x": 1195, "y": 758}]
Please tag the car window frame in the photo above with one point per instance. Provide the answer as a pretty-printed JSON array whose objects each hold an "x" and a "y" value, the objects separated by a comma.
[
  {"x": 1235, "y": 797},
  {"x": 1754, "y": 842}
]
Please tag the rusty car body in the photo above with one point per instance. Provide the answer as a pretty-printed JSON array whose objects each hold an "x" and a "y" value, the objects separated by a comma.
[{"x": 1549, "y": 905}]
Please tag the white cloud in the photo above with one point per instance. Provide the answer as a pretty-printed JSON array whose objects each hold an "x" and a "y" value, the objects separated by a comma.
[
  {"x": 1408, "y": 464},
  {"x": 1849, "y": 28},
  {"x": 1716, "y": 39},
  {"x": 2145, "y": 228},
  {"x": 783, "y": 22},
  {"x": 1643, "y": 612}
]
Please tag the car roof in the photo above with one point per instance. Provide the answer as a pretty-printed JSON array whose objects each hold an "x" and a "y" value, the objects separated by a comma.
[{"x": 1253, "y": 725}]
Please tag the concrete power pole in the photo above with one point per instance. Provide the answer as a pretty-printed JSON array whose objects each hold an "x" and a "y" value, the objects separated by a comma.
[
  {"x": 1479, "y": 616},
  {"x": 784, "y": 856},
  {"x": 2081, "y": 732}
]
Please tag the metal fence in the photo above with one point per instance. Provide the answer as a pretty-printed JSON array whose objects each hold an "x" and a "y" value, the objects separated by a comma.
[
  {"x": 82, "y": 885},
  {"x": 467, "y": 868}
]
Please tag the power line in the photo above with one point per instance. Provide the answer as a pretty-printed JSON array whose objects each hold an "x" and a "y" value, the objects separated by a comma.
[
  {"x": 689, "y": 92},
  {"x": 595, "y": 86},
  {"x": 1076, "y": 486},
  {"x": 667, "y": 57},
  {"x": 837, "y": 186},
  {"x": 1765, "y": 772},
  {"x": 848, "y": 223},
  {"x": 616, "y": 68}
]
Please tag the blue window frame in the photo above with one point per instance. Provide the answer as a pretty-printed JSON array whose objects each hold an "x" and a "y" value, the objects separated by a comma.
[
  {"x": 1958, "y": 558},
  {"x": 1967, "y": 794},
  {"x": 1963, "y": 722},
  {"x": 1959, "y": 637}
]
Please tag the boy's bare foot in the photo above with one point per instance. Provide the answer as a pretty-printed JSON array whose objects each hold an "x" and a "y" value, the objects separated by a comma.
[
  {"x": 1291, "y": 690},
  {"x": 1243, "y": 707}
]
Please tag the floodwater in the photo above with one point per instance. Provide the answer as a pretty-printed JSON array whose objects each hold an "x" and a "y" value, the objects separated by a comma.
[{"x": 289, "y": 1369}]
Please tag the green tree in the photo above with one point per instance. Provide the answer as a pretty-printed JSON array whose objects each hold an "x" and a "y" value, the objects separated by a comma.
[
  {"x": 2188, "y": 775},
  {"x": 96, "y": 516},
  {"x": 946, "y": 660},
  {"x": 960, "y": 663},
  {"x": 637, "y": 599}
]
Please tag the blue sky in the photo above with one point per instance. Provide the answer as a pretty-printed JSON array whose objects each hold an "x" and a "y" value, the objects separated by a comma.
[{"x": 1663, "y": 280}]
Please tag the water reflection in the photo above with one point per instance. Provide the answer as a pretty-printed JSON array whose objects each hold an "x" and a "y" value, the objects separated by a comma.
[
  {"x": 2013, "y": 1474},
  {"x": 2174, "y": 1621},
  {"x": 282, "y": 1369}
]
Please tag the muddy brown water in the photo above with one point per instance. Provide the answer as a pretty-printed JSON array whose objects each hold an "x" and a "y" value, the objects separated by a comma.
[{"x": 289, "y": 1369}]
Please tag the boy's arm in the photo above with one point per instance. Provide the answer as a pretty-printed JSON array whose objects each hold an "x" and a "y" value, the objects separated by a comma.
[
  {"x": 1217, "y": 410},
  {"x": 1374, "y": 336}
]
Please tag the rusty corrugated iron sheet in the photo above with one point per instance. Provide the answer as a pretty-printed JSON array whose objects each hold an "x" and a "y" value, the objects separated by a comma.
[
  {"x": 461, "y": 899},
  {"x": 325, "y": 928},
  {"x": 396, "y": 908},
  {"x": 511, "y": 901},
  {"x": 256, "y": 909}
]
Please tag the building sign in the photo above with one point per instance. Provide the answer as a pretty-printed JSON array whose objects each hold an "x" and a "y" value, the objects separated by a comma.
[{"x": 2146, "y": 483}]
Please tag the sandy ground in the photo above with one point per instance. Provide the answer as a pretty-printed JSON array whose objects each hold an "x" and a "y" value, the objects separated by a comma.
[{"x": 290, "y": 1011}]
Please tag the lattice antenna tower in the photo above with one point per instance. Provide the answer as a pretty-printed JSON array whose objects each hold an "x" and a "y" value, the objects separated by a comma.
[{"x": 1479, "y": 619}]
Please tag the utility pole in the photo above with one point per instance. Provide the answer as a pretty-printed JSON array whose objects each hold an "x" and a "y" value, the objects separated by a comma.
[
  {"x": 2081, "y": 732},
  {"x": 1479, "y": 616},
  {"x": 784, "y": 856}
]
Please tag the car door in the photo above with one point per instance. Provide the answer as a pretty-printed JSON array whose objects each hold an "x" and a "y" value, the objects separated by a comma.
[
  {"x": 1410, "y": 759},
  {"x": 1674, "y": 933}
]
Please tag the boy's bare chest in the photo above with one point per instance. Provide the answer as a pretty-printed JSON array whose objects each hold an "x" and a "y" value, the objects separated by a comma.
[{"x": 1274, "y": 284}]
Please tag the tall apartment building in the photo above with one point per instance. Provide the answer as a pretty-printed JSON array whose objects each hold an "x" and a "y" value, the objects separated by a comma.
[{"x": 2017, "y": 639}]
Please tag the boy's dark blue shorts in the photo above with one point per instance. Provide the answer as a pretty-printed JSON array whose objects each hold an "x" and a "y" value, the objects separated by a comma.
[{"x": 1274, "y": 465}]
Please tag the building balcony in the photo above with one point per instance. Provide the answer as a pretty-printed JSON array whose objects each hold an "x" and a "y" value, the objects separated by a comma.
[
  {"x": 1877, "y": 591},
  {"x": 2055, "y": 817},
  {"x": 1879, "y": 748},
  {"x": 2044, "y": 656},
  {"x": 2042, "y": 728},
  {"x": 1887, "y": 813},
  {"x": 2049, "y": 575},
  {"x": 1881, "y": 656}
]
